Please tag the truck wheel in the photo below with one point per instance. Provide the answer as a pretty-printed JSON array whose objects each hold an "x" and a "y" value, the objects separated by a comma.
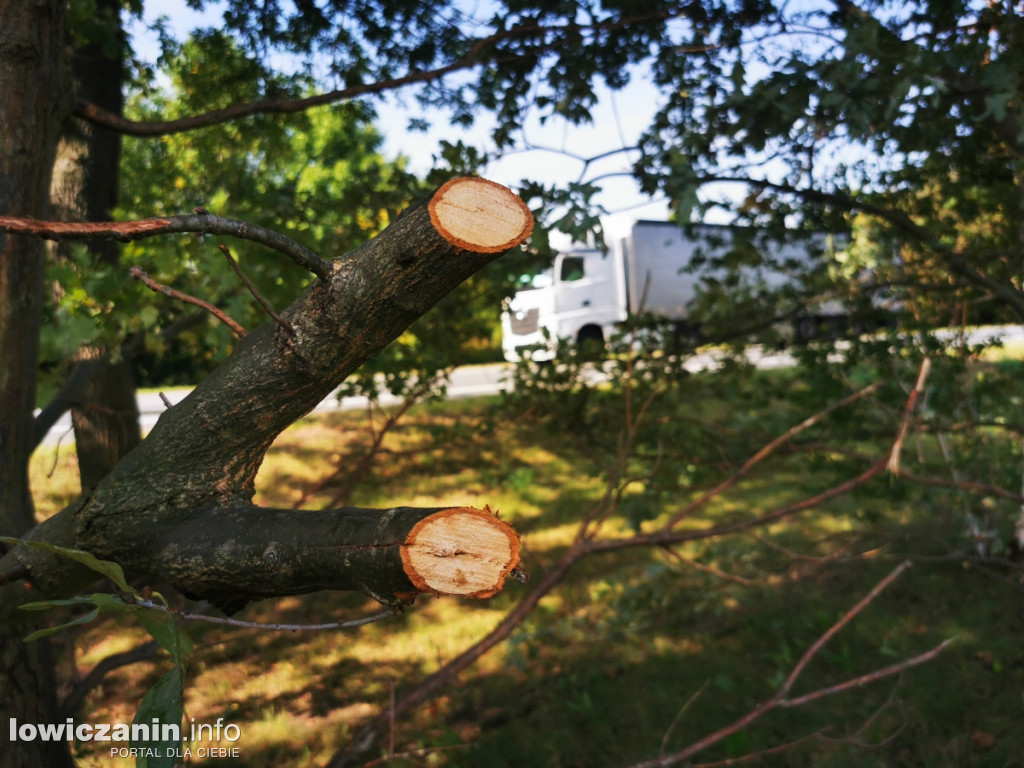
[
  {"x": 590, "y": 343},
  {"x": 806, "y": 328}
]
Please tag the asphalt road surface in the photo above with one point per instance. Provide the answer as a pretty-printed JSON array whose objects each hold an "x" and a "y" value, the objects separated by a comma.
[{"x": 471, "y": 381}]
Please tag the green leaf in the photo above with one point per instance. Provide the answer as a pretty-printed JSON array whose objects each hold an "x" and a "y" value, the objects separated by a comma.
[
  {"x": 163, "y": 703},
  {"x": 165, "y": 631},
  {"x": 45, "y": 605},
  {"x": 111, "y": 570},
  {"x": 112, "y": 604},
  {"x": 85, "y": 618}
]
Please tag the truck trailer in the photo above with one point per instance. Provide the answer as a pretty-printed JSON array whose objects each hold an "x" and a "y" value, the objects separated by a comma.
[{"x": 589, "y": 292}]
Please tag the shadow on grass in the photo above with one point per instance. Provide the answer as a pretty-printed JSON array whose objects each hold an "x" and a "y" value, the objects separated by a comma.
[{"x": 599, "y": 671}]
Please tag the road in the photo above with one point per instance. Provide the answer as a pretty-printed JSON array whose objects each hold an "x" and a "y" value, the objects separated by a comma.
[
  {"x": 470, "y": 381},
  {"x": 477, "y": 380}
]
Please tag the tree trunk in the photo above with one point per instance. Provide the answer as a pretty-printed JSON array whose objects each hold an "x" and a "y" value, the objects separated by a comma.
[
  {"x": 32, "y": 108},
  {"x": 85, "y": 188}
]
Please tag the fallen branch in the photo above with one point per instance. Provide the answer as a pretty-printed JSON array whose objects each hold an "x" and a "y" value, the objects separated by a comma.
[
  {"x": 766, "y": 451},
  {"x": 781, "y": 698},
  {"x": 585, "y": 544},
  {"x": 227, "y": 621},
  {"x": 897, "y": 446}
]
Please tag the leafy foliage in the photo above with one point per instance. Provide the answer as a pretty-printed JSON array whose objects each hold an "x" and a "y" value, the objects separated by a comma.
[
  {"x": 317, "y": 176},
  {"x": 164, "y": 702},
  {"x": 908, "y": 115}
]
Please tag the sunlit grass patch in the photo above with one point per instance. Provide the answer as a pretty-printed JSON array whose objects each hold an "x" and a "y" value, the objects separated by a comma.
[{"x": 53, "y": 474}]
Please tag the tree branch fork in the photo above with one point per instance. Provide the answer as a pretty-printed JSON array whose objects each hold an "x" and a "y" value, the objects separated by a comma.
[{"x": 179, "y": 507}]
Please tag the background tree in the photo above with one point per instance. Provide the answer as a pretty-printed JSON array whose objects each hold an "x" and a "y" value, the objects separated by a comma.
[
  {"x": 97, "y": 382},
  {"x": 909, "y": 116},
  {"x": 30, "y": 117}
]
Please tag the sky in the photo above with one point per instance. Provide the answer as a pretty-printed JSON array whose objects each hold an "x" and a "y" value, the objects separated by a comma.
[{"x": 619, "y": 119}]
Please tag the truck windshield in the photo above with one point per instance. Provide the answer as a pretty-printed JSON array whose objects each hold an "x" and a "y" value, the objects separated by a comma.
[
  {"x": 572, "y": 269},
  {"x": 543, "y": 279}
]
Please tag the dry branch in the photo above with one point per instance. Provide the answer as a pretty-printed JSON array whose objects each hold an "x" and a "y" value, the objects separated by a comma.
[
  {"x": 139, "y": 274},
  {"x": 765, "y": 451},
  {"x": 585, "y": 544},
  {"x": 781, "y": 698},
  {"x": 251, "y": 287}
]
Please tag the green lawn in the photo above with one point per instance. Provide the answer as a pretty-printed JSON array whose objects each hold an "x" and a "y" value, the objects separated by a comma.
[{"x": 600, "y": 671}]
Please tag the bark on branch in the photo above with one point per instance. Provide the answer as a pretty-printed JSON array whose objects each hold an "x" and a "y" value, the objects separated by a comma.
[
  {"x": 178, "y": 507},
  {"x": 233, "y": 555},
  {"x": 205, "y": 223}
]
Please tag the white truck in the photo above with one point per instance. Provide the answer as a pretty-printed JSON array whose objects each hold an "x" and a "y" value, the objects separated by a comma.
[{"x": 588, "y": 292}]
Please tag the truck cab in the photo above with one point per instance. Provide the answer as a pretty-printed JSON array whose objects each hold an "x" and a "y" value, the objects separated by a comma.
[{"x": 581, "y": 298}]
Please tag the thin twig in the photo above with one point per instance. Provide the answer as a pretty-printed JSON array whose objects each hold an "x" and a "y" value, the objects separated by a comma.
[
  {"x": 963, "y": 485},
  {"x": 166, "y": 290},
  {"x": 846, "y": 618},
  {"x": 680, "y": 715},
  {"x": 56, "y": 450},
  {"x": 818, "y": 559},
  {"x": 354, "y": 474},
  {"x": 780, "y": 698},
  {"x": 707, "y": 568},
  {"x": 145, "y": 652},
  {"x": 255, "y": 293},
  {"x": 894, "y": 454},
  {"x": 128, "y": 231},
  {"x": 871, "y": 677},
  {"x": 260, "y": 625},
  {"x": 765, "y": 451},
  {"x": 730, "y": 761},
  {"x": 855, "y": 738}
]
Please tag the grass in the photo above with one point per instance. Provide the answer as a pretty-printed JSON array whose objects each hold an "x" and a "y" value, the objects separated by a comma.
[{"x": 601, "y": 670}]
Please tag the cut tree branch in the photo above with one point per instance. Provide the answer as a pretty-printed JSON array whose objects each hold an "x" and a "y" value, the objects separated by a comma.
[
  {"x": 239, "y": 554},
  {"x": 178, "y": 507},
  {"x": 207, "y": 224}
]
